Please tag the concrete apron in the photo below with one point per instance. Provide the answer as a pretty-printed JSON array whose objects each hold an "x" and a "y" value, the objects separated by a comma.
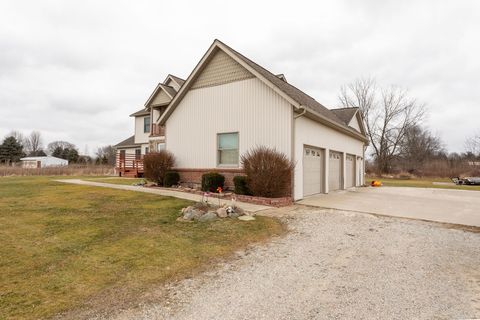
[{"x": 439, "y": 205}]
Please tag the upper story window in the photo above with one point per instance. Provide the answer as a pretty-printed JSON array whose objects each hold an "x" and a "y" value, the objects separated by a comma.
[
  {"x": 227, "y": 149},
  {"x": 146, "y": 124}
]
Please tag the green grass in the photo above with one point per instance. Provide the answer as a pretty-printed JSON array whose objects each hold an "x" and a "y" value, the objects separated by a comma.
[
  {"x": 62, "y": 245},
  {"x": 422, "y": 183}
]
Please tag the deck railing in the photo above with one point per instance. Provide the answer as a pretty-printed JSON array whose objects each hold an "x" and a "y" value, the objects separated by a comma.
[{"x": 130, "y": 162}]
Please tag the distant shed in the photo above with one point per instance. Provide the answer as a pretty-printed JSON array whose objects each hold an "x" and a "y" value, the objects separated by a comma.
[{"x": 42, "y": 162}]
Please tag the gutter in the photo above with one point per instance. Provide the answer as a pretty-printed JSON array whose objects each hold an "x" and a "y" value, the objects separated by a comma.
[{"x": 301, "y": 113}]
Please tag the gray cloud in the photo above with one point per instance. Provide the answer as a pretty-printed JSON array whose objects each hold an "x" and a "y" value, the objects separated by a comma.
[{"x": 75, "y": 70}]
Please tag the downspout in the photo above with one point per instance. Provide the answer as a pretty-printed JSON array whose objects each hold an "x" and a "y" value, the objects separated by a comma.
[{"x": 292, "y": 148}]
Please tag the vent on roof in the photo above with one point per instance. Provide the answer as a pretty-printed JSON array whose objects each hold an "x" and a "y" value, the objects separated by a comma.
[{"x": 281, "y": 76}]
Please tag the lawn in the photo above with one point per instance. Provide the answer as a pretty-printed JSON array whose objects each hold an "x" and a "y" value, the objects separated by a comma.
[
  {"x": 115, "y": 180},
  {"x": 62, "y": 246},
  {"x": 423, "y": 183}
]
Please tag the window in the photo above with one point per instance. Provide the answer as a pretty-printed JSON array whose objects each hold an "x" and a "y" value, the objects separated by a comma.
[
  {"x": 146, "y": 150},
  {"x": 146, "y": 124},
  {"x": 161, "y": 146},
  {"x": 138, "y": 154},
  {"x": 227, "y": 149}
]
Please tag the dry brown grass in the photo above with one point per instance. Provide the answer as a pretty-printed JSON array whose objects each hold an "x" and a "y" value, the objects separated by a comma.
[{"x": 71, "y": 170}]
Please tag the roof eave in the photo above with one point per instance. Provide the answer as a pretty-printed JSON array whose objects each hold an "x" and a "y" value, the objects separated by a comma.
[{"x": 320, "y": 118}]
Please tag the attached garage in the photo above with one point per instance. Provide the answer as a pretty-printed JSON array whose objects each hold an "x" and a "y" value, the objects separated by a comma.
[
  {"x": 312, "y": 171},
  {"x": 350, "y": 171},
  {"x": 335, "y": 171}
]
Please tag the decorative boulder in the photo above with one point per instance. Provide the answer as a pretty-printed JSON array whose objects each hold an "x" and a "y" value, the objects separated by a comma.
[
  {"x": 209, "y": 216},
  {"x": 192, "y": 214},
  {"x": 233, "y": 214},
  {"x": 246, "y": 218},
  {"x": 222, "y": 212},
  {"x": 239, "y": 211}
]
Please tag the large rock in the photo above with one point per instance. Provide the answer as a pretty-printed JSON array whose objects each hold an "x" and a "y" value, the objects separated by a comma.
[
  {"x": 192, "y": 214},
  {"x": 246, "y": 218},
  {"x": 222, "y": 212},
  {"x": 209, "y": 216},
  {"x": 233, "y": 214},
  {"x": 239, "y": 211}
]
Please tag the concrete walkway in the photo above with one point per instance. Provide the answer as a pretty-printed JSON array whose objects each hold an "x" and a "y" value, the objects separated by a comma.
[
  {"x": 249, "y": 207},
  {"x": 440, "y": 205}
]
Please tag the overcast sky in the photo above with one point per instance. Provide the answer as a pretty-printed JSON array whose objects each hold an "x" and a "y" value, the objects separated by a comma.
[{"x": 75, "y": 70}]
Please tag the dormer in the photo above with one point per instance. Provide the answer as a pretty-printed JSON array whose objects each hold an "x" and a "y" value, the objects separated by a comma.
[{"x": 174, "y": 82}]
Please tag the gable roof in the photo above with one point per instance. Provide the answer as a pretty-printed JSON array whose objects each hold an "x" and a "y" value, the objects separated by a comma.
[
  {"x": 168, "y": 90},
  {"x": 295, "y": 96},
  {"x": 345, "y": 114},
  {"x": 129, "y": 142},
  {"x": 178, "y": 80}
]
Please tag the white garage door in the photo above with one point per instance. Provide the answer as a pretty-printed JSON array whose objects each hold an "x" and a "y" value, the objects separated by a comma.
[
  {"x": 350, "y": 170},
  {"x": 359, "y": 170},
  {"x": 335, "y": 171},
  {"x": 312, "y": 171}
]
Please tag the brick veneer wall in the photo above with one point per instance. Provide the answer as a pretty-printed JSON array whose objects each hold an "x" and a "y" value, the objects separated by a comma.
[{"x": 192, "y": 178}]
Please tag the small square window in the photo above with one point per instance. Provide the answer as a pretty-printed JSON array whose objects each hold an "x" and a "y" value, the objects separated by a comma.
[{"x": 227, "y": 148}]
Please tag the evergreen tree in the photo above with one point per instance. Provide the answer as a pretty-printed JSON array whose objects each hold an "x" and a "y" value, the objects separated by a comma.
[{"x": 11, "y": 150}]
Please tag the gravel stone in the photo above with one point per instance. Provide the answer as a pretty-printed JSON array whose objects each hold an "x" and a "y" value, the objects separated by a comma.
[{"x": 336, "y": 265}]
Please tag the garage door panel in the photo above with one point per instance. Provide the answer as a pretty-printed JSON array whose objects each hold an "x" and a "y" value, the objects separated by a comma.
[
  {"x": 350, "y": 170},
  {"x": 312, "y": 171},
  {"x": 334, "y": 171}
]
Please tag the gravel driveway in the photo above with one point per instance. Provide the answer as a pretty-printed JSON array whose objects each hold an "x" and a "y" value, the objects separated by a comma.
[{"x": 337, "y": 265}]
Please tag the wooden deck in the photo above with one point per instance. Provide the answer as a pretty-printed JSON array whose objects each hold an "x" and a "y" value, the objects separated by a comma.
[{"x": 129, "y": 166}]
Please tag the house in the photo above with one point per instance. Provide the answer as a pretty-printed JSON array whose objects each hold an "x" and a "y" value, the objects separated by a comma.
[
  {"x": 148, "y": 135},
  {"x": 42, "y": 162},
  {"x": 228, "y": 105}
]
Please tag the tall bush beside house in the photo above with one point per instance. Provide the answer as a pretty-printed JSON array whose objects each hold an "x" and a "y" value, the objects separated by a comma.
[
  {"x": 157, "y": 164},
  {"x": 268, "y": 172},
  {"x": 211, "y": 181}
]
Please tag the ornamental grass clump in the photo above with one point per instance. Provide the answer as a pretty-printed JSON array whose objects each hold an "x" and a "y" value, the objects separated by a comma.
[{"x": 268, "y": 172}]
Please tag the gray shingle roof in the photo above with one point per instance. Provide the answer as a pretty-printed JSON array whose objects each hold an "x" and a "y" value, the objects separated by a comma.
[
  {"x": 129, "y": 142},
  {"x": 142, "y": 112},
  {"x": 346, "y": 114},
  {"x": 178, "y": 80},
  {"x": 293, "y": 92},
  {"x": 168, "y": 89}
]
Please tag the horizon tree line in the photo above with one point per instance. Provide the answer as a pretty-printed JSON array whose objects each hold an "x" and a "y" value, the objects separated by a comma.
[{"x": 16, "y": 146}]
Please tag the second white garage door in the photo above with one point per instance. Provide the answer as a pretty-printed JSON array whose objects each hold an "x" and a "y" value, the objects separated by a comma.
[
  {"x": 335, "y": 171},
  {"x": 312, "y": 171},
  {"x": 350, "y": 171}
]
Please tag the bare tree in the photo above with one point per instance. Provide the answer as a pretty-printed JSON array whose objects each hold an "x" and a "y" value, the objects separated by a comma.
[
  {"x": 418, "y": 147},
  {"x": 387, "y": 112},
  {"x": 472, "y": 144},
  {"x": 34, "y": 143},
  {"x": 106, "y": 155}
]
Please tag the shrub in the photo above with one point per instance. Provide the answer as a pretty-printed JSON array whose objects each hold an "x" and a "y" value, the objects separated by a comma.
[
  {"x": 211, "y": 181},
  {"x": 268, "y": 172},
  {"x": 171, "y": 179},
  {"x": 240, "y": 183},
  {"x": 156, "y": 165}
]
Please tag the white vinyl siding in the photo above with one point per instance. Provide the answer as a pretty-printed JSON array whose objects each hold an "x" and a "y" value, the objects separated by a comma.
[
  {"x": 140, "y": 135},
  {"x": 249, "y": 107}
]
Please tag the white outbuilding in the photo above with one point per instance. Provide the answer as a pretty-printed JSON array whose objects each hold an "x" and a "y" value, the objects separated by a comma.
[{"x": 42, "y": 162}]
